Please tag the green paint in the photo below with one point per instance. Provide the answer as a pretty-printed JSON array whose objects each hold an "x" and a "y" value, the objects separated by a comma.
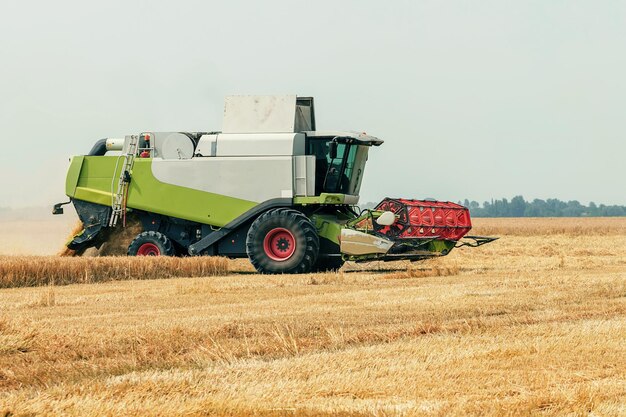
[
  {"x": 329, "y": 226},
  {"x": 440, "y": 246},
  {"x": 370, "y": 215},
  {"x": 149, "y": 194},
  {"x": 73, "y": 173},
  {"x": 90, "y": 178},
  {"x": 324, "y": 198}
]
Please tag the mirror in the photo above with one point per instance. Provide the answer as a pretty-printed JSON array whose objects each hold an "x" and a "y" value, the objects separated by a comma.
[
  {"x": 332, "y": 150},
  {"x": 386, "y": 219}
]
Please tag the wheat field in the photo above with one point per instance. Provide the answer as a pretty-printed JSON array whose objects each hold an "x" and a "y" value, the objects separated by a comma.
[
  {"x": 532, "y": 324},
  {"x": 32, "y": 271}
]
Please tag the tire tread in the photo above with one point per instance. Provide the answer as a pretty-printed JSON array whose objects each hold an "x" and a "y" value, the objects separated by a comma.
[
  {"x": 255, "y": 254},
  {"x": 166, "y": 246}
]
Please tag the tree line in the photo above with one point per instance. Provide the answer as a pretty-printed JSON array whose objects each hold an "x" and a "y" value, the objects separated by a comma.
[
  {"x": 552, "y": 207},
  {"x": 519, "y": 207}
]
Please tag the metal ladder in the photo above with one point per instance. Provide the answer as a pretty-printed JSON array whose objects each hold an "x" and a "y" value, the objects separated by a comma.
[{"x": 117, "y": 206}]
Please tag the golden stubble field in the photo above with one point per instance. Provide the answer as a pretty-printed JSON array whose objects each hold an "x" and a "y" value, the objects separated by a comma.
[{"x": 534, "y": 323}]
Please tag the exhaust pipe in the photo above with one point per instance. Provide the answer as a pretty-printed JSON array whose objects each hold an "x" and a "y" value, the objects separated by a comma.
[{"x": 108, "y": 144}]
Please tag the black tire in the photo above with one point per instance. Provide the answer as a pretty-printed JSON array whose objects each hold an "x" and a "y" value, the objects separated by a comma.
[
  {"x": 151, "y": 244},
  {"x": 282, "y": 241},
  {"x": 328, "y": 263}
]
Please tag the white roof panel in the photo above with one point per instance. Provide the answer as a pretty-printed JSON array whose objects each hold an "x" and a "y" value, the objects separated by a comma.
[{"x": 361, "y": 137}]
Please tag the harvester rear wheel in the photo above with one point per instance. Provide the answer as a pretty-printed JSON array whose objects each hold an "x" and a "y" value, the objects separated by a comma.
[
  {"x": 151, "y": 244},
  {"x": 282, "y": 241}
]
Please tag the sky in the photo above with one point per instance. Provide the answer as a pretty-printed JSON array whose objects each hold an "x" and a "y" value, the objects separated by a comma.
[{"x": 474, "y": 100}]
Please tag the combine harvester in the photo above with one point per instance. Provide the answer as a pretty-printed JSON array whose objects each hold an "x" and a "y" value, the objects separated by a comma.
[{"x": 268, "y": 187}]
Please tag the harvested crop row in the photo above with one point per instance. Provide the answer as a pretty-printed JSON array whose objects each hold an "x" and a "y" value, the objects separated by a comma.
[{"x": 31, "y": 271}]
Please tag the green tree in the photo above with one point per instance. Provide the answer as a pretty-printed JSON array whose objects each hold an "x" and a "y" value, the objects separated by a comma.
[{"x": 517, "y": 206}]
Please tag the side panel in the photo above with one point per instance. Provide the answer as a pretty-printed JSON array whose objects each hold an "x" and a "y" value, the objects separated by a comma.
[
  {"x": 253, "y": 179},
  {"x": 97, "y": 180},
  {"x": 329, "y": 225},
  {"x": 149, "y": 194},
  {"x": 304, "y": 175},
  {"x": 260, "y": 144},
  {"x": 73, "y": 173}
]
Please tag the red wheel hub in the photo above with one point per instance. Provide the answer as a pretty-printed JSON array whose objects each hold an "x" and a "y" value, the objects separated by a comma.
[
  {"x": 279, "y": 244},
  {"x": 148, "y": 249}
]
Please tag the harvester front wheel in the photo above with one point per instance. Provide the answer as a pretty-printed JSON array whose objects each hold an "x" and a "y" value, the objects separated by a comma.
[
  {"x": 282, "y": 241},
  {"x": 151, "y": 244}
]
